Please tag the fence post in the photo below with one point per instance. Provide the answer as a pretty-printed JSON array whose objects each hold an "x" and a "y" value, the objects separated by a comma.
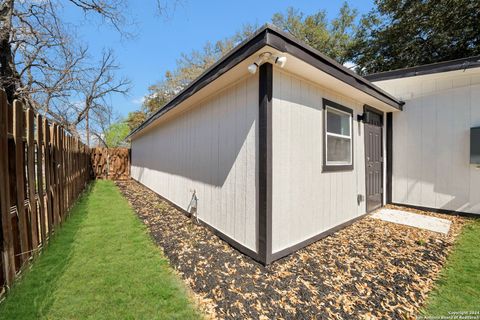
[
  {"x": 31, "y": 178},
  {"x": 8, "y": 255}
]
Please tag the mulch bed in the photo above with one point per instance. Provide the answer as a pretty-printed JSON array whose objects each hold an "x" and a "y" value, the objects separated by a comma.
[{"x": 371, "y": 269}]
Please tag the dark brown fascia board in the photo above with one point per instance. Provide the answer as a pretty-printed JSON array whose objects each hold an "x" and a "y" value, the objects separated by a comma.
[
  {"x": 286, "y": 43},
  {"x": 271, "y": 36},
  {"x": 444, "y": 66},
  {"x": 237, "y": 55}
]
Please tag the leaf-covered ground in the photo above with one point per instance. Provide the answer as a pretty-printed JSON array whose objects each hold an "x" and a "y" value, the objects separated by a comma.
[{"x": 371, "y": 269}]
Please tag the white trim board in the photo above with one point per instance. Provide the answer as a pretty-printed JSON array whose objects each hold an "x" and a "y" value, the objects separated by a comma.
[{"x": 413, "y": 220}]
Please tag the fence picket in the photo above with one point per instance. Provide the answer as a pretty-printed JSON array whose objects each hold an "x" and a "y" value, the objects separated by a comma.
[
  {"x": 111, "y": 163},
  {"x": 33, "y": 218},
  {"x": 40, "y": 173},
  {"x": 43, "y": 170},
  {"x": 5, "y": 219},
  {"x": 18, "y": 131},
  {"x": 48, "y": 175},
  {"x": 54, "y": 172},
  {"x": 59, "y": 173}
]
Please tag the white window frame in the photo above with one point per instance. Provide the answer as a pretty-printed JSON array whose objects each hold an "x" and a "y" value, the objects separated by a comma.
[{"x": 330, "y": 106}]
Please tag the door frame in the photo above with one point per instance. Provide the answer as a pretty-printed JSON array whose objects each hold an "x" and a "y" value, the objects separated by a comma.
[{"x": 367, "y": 120}]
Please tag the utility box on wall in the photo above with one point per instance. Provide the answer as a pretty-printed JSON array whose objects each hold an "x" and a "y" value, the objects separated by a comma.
[{"x": 475, "y": 145}]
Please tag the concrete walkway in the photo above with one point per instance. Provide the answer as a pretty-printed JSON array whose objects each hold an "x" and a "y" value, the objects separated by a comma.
[{"x": 413, "y": 220}]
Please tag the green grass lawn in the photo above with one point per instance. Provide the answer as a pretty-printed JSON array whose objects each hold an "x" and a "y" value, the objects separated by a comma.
[
  {"x": 102, "y": 264},
  {"x": 458, "y": 288}
]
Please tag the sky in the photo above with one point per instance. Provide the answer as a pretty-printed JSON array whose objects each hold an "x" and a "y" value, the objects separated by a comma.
[{"x": 159, "y": 40}]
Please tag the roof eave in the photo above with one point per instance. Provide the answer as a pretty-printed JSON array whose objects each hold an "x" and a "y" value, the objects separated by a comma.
[
  {"x": 235, "y": 56},
  {"x": 286, "y": 43},
  {"x": 432, "y": 68},
  {"x": 271, "y": 36}
]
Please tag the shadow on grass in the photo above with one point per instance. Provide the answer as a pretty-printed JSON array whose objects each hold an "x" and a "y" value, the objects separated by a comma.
[{"x": 33, "y": 294}]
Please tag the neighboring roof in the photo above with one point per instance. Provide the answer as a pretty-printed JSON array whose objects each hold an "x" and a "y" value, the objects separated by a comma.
[
  {"x": 444, "y": 66},
  {"x": 271, "y": 36}
]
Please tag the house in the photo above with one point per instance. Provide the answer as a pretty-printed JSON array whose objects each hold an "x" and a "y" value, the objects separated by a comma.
[
  {"x": 274, "y": 147},
  {"x": 432, "y": 154}
]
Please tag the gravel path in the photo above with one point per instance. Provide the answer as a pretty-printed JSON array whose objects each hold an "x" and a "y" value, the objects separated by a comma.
[{"x": 369, "y": 270}]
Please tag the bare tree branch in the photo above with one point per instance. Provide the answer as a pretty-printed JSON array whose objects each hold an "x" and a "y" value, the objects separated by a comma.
[
  {"x": 42, "y": 62},
  {"x": 97, "y": 84}
]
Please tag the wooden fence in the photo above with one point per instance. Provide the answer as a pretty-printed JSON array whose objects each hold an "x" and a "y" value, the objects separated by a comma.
[
  {"x": 42, "y": 172},
  {"x": 111, "y": 163}
]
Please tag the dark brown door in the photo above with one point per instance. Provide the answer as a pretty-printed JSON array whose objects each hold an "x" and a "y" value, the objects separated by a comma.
[{"x": 374, "y": 166}]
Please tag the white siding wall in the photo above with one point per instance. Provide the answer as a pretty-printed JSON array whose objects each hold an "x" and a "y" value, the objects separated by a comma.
[
  {"x": 210, "y": 148},
  {"x": 306, "y": 201},
  {"x": 431, "y": 141}
]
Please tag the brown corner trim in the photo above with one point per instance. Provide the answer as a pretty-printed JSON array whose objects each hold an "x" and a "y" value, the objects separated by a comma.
[
  {"x": 436, "y": 210},
  {"x": 289, "y": 250},
  {"x": 234, "y": 244},
  {"x": 389, "y": 156},
  {"x": 265, "y": 91}
]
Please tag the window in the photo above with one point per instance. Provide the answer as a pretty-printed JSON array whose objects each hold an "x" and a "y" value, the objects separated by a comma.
[{"x": 338, "y": 138}]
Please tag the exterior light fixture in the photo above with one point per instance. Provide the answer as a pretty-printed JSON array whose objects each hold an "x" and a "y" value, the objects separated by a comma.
[
  {"x": 264, "y": 57},
  {"x": 280, "y": 61},
  {"x": 253, "y": 68}
]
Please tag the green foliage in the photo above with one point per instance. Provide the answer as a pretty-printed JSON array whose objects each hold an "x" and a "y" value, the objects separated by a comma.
[
  {"x": 333, "y": 38},
  {"x": 135, "y": 118},
  {"x": 102, "y": 264},
  {"x": 458, "y": 288},
  {"x": 403, "y": 33},
  {"x": 116, "y": 133}
]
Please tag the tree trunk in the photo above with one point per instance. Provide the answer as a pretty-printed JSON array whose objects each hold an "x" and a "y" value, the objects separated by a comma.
[
  {"x": 9, "y": 78},
  {"x": 87, "y": 129}
]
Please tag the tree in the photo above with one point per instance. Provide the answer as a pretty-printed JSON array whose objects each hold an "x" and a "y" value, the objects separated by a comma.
[
  {"x": 403, "y": 33},
  {"x": 43, "y": 63},
  {"x": 115, "y": 135},
  {"x": 189, "y": 66},
  {"x": 38, "y": 51},
  {"x": 97, "y": 85},
  {"x": 333, "y": 38},
  {"x": 135, "y": 118}
]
